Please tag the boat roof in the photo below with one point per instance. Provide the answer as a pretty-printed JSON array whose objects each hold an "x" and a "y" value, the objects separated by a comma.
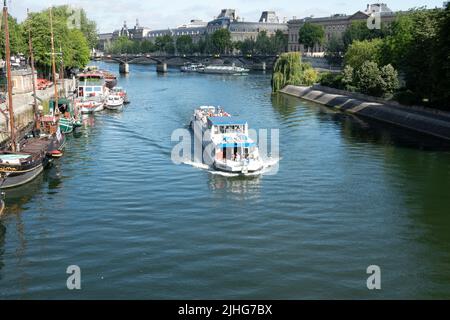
[
  {"x": 226, "y": 121},
  {"x": 90, "y": 75}
]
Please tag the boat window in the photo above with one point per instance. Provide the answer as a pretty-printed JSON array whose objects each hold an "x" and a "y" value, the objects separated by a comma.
[{"x": 88, "y": 89}]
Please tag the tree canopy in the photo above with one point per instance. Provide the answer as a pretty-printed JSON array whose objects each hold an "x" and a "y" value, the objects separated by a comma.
[{"x": 311, "y": 35}]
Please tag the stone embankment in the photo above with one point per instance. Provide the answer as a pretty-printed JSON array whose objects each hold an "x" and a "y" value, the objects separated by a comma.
[
  {"x": 429, "y": 121},
  {"x": 23, "y": 110}
]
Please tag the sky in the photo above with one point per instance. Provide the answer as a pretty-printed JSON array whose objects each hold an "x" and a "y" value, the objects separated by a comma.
[{"x": 162, "y": 14}]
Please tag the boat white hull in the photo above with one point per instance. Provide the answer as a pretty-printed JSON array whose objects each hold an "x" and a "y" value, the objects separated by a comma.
[
  {"x": 117, "y": 107},
  {"x": 91, "y": 108},
  {"x": 239, "y": 167}
]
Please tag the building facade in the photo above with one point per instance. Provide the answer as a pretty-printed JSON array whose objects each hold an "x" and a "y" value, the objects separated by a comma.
[
  {"x": 335, "y": 25},
  {"x": 241, "y": 30},
  {"x": 228, "y": 19}
]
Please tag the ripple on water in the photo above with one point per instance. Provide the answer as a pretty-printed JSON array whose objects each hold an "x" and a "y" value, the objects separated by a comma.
[{"x": 347, "y": 194}]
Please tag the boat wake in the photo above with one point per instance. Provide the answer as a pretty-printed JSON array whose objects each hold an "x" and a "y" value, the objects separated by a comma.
[{"x": 269, "y": 165}]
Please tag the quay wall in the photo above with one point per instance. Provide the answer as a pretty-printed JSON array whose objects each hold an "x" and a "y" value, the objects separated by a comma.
[
  {"x": 23, "y": 110},
  {"x": 432, "y": 122}
]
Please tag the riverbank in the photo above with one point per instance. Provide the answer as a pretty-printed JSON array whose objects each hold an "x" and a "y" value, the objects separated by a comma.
[
  {"x": 431, "y": 122},
  {"x": 23, "y": 109}
]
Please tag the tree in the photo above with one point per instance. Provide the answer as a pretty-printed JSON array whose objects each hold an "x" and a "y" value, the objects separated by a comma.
[
  {"x": 80, "y": 49},
  {"x": 89, "y": 29},
  {"x": 165, "y": 44},
  {"x": 362, "y": 51},
  {"x": 311, "y": 35},
  {"x": 279, "y": 42},
  {"x": 358, "y": 31},
  {"x": 263, "y": 44},
  {"x": 335, "y": 50},
  {"x": 290, "y": 70},
  {"x": 147, "y": 46},
  {"x": 247, "y": 47},
  {"x": 368, "y": 79},
  {"x": 72, "y": 42},
  {"x": 184, "y": 44},
  {"x": 441, "y": 66},
  {"x": 16, "y": 37},
  {"x": 411, "y": 47},
  {"x": 221, "y": 41}
]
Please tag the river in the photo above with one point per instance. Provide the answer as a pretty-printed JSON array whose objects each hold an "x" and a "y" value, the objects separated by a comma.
[{"x": 348, "y": 194}]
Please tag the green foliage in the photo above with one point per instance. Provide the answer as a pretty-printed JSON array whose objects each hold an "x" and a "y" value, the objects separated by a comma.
[
  {"x": 185, "y": 45},
  {"x": 263, "y": 44},
  {"x": 247, "y": 46},
  {"x": 311, "y": 35},
  {"x": 372, "y": 80},
  {"x": 165, "y": 44},
  {"x": 72, "y": 42},
  {"x": 89, "y": 29},
  {"x": 221, "y": 41},
  {"x": 441, "y": 63},
  {"x": 362, "y": 51},
  {"x": 147, "y": 46},
  {"x": 289, "y": 70},
  {"x": 418, "y": 46},
  {"x": 79, "y": 49},
  {"x": 279, "y": 42},
  {"x": 333, "y": 80},
  {"x": 347, "y": 76},
  {"x": 358, "y": 31},
  {"x": 335, "y": 50},
  {"x": 16, "y": 39}
]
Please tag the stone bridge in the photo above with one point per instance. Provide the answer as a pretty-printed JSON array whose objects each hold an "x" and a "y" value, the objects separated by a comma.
[{"x": 253, "y": 62}]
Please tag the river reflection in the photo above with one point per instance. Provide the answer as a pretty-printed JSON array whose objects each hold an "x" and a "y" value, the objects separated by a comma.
[
  {"x": 238, "y": 188},
  {"x": 348, "y": 193}
]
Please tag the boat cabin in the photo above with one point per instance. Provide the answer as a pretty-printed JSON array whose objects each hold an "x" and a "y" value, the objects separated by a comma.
[
  {"x": 230, "y": 135},
  {"x": 90, "y": 85}
]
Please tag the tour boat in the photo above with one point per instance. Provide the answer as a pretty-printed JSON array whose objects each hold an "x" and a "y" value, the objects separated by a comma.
[
  {"x": 192, "y": 67},
  {"x": 233, "y": 150},
  {"x": 114, "y": 102},
  {"x": 91, "y": 92},
  {"x": 219, "y": 69},
  {"x": 121, "y": 92}
]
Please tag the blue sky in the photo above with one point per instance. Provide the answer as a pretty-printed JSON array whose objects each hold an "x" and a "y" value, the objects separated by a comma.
[{"x": 160, "y": 14}]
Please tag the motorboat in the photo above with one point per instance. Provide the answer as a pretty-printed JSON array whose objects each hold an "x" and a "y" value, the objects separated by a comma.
[
  {"x": 227, "y": 137},
  {"x": 114, "y": 102},
  {"x": 121, "y": 92}
]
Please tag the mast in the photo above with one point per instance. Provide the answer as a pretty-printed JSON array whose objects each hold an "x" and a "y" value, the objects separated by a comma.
[
  {"x": 55, "y": 84},
  {"x": 33, "y": 72},
  {"x": 61, "y": 73},
  {"x": 8, "y": 77}
]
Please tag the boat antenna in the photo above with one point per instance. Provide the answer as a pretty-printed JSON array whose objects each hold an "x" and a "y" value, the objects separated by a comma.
[
  {"x": 33, "y": 73},
  {"x": 55, "y": 84},
  {"x": 8, "y": 78}
]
